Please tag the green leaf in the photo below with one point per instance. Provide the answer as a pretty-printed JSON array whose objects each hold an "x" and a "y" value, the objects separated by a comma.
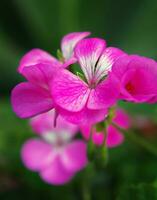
[
  {"x": 141, "y": 191},
  {"x": 60, "y": 55},
  {"x": 81, "y": 76},
  {"x": 101, "y": 157}
]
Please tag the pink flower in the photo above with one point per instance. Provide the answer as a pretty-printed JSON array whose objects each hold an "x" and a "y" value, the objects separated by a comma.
[
  {"x": 114, "y": 137},
  {"x": 38, "y": 67},
  {"x": 80, "y": 99},
  {"x": 68, "y": 44},
  {"x": 55, "y": 156},
  {"x": 138, "y": 78},
  {"x": 37, "y": 56}
]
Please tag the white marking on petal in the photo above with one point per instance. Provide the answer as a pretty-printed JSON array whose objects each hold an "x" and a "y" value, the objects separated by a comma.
[
  {"x": 104, "y": 66},
  {"x": 88, "y": 64},
  {"x": 54, "y": 138},
  {"x": 69, "y": 41},
  {"x": 68, "y": 50},
  {"x": 88, "y": 52},
  {"x": 106, "y": 61}
]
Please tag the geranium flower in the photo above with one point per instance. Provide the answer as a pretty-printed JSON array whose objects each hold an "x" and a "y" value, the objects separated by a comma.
[
  {"x": 138, "y": 78},
  {"x": 38, "y": 67},
  {"x": 114, "y": 136},
  {"x": 68, "y": 43},
  {"x": 55, "y": 155},
  {"x": 99, "y": 90}
]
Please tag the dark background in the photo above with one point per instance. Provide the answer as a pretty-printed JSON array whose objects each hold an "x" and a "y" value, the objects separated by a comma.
[{"x": 26, "y": 24}]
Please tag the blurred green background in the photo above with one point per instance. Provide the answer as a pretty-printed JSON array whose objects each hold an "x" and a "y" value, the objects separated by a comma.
[{"x": 25, "y": 24}]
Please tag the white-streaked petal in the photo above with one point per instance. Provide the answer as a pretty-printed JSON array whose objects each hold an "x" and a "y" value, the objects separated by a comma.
[
  {"x": 87, "y": 52},
  {"x": 69, "y": 41},
  {"x": 107, "y": 59}
]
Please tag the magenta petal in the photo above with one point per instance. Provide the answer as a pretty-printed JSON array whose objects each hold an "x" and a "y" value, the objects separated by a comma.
[
  {"x": 74, "y": 157},
  {"x": 28, "y": 100},
  {"x": 122, "y": 119},
  {"x": 114, "y": 137},
  {"x": 35, "y": 154},
  {"x": 34, "y": 57},
  {"x": 121, "y": 66},
  {"x": 44, "y": 123},
  {"x": 98, "y": 138},
  {"x": 87, "y": 52},
  {"x": 69, "y": 62},
  {"x": 139, "y": 85},
  {"x": 56, "y": 173},
  {"x": 138, "y": 77},
  {"x": 69, "y": 41},
  {"x": 153, "y": 100},
  {"x": 40, "y": 74},
  {"x": 105, "y": 94},
  {"x": 69, "y": 91},
  {"x": 106, "y": 61},
  {"x": 86, "y": 130},
  {"x": 84, "y": 116}
]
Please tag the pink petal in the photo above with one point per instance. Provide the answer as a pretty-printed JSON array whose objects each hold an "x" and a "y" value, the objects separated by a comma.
[
  {"x": 69, "y": 62},
  {"x": 138, "y": 86},
  {"x": 69, "y": 41},
  {"x": 36, "y": 154},
  {"x": 86, "y": 130},
  {"x": 44, "y": 123},
  {"x": 98, "y": 138},
  {"x": 56, "y": 173},
  {"x": 106, "y": 61},
  {"x": 74, "y": 157},
  {"x": 40, "y": 74},
  {"x": 122, "y": 119},
  {"x": 84, "y": 116},
  {"x": 114, "y": 137},
  {"x": 28, "y": 100},
  {"x": 87, "y": 52},
  {"x": 36, "y": 56},
  {"x": 121, "y": 66},
  {"x": 105, "y": 94},
  {"x": 152, "y": 100},
  {"x": 138, "y": 78},
  {"x": 69, "y": 91}
]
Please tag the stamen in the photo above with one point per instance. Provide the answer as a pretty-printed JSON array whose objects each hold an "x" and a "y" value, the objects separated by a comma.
[{"x": 55, "y": 118}]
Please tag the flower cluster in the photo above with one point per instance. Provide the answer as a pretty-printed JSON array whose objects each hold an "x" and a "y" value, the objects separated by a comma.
[
  {"x": 105, "y": 75},
  {"x": 55, "y": 154},
  {"x": 80, "y": 87},
  {"x": 114, "y": 136}
]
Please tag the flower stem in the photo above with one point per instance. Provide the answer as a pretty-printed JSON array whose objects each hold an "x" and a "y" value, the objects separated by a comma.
[
  {"x": 86, "y": 192},
  {"x": 87, "y": 181},
  {"x": 137, "y": 139}
]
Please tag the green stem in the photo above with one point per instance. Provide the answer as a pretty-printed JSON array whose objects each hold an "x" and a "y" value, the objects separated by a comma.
[
  {"x": 104, "y": 145},
  {"x": 138, "y": 140},
  {"x": 86, "y": 182},
  {"x": 86, "y": 192}
]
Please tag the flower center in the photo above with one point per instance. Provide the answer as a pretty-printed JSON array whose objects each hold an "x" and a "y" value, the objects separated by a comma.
[
  {"x": 130, "y": 87},
  {"x": 92, "y": 85},
  {"x": 57, "y": 139}
]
